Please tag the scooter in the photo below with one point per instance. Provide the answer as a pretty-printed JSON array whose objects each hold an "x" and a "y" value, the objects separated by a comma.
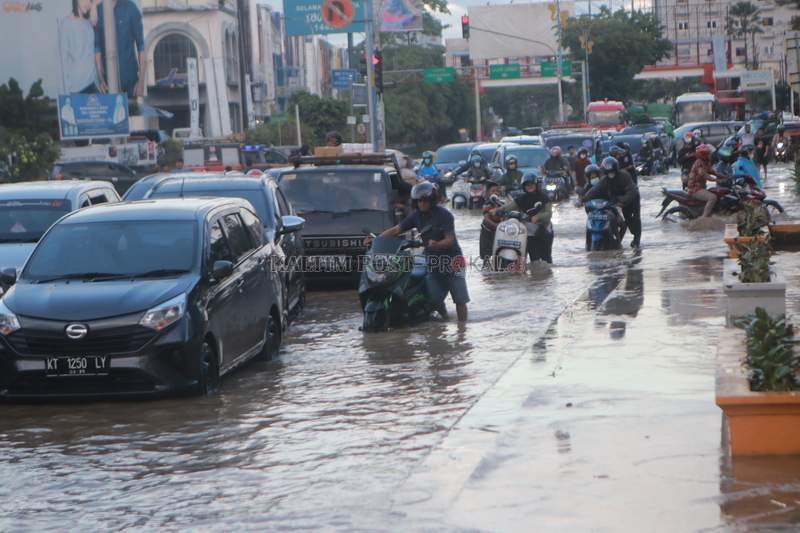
[
  {"x": 731, "y": 194},
  {"x": 604, "y": 225},
  {"x": 511, "y": 241},
  {"x": 477, "y": 193},
  {"x": 555, "y": 185},
  {"x": 392, "y": 287},
  {"x": 459, "y": 194},
  {"x": 781, "y": 152}
]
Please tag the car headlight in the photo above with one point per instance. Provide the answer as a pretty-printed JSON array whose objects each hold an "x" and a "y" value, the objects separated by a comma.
[
  {"x": 8, "y": 320},
  {"x": 165, "y": 314}
]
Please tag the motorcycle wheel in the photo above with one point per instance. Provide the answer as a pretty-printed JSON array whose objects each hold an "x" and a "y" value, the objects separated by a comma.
[
  {"x": 374, "y": 320},
  {"x": 679, "y": 213},
  {"x": 504, "y": 264}
]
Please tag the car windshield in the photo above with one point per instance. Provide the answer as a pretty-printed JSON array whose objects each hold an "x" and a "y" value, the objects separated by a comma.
[
  {"x": 27, "y": 220},
  {"x": 336, "y": 192},
  {"x": 254, "y": 196},
  {"x": 487, "y": 152},
  {"x": 453, "y": 154},
  {"x": 566, "y": 142},
  {"x": 529, "y": 158},
  {"x": 127, "y": 248},
  {"x": 605, "y": 118}
]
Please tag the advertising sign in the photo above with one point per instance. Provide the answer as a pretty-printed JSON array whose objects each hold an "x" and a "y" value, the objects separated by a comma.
[
  {"x": 401, "y": 15},
  {"x": 756, "y": 80},
  {"x": 85, "y": 116},
  {"x": 48, "y": 40},
  {"x": 311, "y": 17},
  {"x": 343, "y": 78}
]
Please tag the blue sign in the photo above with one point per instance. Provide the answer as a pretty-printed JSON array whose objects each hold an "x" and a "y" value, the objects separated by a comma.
[
  {"x": 312, "y": 17},
  {"x": 83, "y": 116},
  {"x": 343, "y": 78}
]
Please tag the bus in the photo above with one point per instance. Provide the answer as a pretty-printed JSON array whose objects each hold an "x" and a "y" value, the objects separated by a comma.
[{"x": 695, "y": 107}]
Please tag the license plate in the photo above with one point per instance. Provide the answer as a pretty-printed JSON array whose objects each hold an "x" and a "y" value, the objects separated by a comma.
[
  {"x": 76, "y": 366},
  {"x": 327, "y": 262}
]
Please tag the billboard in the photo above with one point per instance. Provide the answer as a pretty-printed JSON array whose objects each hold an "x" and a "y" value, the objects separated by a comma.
[
  {"x": 47, "y": 40},
  {"x": 401, "y": 15},
  {"x": 312, "y": 17},
  {"x": 84, "y": 116},
  {"x": 513, "y": 30}
]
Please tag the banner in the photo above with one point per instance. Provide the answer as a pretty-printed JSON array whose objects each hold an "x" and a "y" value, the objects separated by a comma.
[
  {"x": 54, "y": 40},
  {"x": 194, "y": 97},
  {"x": 401, "y": 15},
  {"x": 312, "y": 17},
  {"x": 85, "y": 116}
]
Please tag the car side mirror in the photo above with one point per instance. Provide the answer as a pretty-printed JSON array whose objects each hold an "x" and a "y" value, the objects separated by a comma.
[
  {"x": 221, "y": 269},
  {"x": 8, "y": 276},
  {"x": 291, "y": 224}
]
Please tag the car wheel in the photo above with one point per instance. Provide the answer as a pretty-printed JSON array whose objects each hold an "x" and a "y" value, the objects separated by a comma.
[
  {"x": 209, "y": 369},
  {"x": 273, "y": 339}
]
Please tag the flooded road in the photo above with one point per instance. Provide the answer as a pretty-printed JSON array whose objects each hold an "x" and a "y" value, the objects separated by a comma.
[{"x": 321, "y": 437}]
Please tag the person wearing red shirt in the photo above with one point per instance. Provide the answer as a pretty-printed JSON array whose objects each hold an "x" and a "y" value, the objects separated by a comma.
[{"x": 702, "y": 172}]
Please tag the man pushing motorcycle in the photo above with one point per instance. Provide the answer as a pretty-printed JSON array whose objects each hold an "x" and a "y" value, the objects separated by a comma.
[
  {"x": 701, "y": 172},
  {"x": 617, "y": 186}
]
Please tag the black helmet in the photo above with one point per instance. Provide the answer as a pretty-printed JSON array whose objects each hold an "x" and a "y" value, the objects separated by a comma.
[
  {"x": 610, "y": 164},
  {"x": 424, "y": 190},
  {"x": 592, "y": 169},
  {"x": 530, "y": 177},
  {"x": 616, "y": 152},
  {"x": 427, "y": 156},
  {"x": 512, "y": 159}
]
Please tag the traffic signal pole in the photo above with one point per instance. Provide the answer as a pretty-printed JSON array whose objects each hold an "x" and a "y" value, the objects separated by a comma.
[{"x": 372, "y": 94}]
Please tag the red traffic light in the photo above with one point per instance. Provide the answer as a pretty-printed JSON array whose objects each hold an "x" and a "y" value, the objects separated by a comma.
[{"x": 464, "y": 19}]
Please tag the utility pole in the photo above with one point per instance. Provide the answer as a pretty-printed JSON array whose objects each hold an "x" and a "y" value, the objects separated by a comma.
[
  {"x": 244, "y": 61},
  {"x": 558, "y": 63},
  {"x": 478, "y": 125},
  {"x": 372, "y": 96},
  {"x": 112, "y": 55}
]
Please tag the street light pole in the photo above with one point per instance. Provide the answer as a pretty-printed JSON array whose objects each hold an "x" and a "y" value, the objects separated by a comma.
[
  {"x": 558, "y": 66},
  {"x": 371, "y": 92},
  {"x": 478, "y": 125}
]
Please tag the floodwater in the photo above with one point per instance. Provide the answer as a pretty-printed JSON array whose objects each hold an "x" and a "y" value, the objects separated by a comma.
[{"x": 321, "y": 437}]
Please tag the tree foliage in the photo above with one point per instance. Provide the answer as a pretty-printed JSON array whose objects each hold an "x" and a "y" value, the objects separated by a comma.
[
  {"x": 744, "y": 22},
  {"x": 320, "y": 115},
  {"x": 623, "y": 43},
  {"x": 26, "y": 149},
  {"x": 277, "y": 134}
]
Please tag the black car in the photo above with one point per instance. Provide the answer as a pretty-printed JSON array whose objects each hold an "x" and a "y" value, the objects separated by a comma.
[
  {"x": 118, "y": 175},
  {"x": 452, "y": 156},
  {"x": 141, "y": 298},
  {"x": 341, "y": 200},
  {"x": 270, "y": 205}
]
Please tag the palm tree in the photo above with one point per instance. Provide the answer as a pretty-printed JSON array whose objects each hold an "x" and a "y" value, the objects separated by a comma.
[{"x": 743, "y": 22}]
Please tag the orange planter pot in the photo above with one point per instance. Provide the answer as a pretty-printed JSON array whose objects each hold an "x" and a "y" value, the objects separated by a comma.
[
  {"x": 758, "y": 423},
  {"x": 785, "y": 234},
  {"x": 732, "y": 238}
]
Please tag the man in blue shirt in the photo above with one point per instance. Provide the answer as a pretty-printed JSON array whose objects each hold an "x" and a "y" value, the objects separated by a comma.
[
  {"x": 130, "y": 48},
  {"x": 446, "y": 265}
]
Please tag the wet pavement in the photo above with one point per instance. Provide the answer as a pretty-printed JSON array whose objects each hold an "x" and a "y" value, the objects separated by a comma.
[{"x": 579, "y": 396}]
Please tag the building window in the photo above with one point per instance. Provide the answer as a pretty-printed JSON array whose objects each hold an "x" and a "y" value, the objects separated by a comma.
[
  {"x": 767, "y": 21},
  {"x": 711, "y": 24},
  {"x": 231, "y": 57},
  {"x": 683, "y": 26},
  {"x": 171, "y": 53},
  {"x": 740, "y": 52}
]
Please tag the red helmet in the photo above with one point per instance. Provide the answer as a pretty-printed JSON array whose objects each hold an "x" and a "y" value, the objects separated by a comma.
[
  {"x": 555, "y": 151},
  {"x": 704, "y": 151}
]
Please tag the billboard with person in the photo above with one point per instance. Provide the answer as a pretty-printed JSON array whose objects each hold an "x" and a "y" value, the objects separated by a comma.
[{"x": 61, "y": 42}]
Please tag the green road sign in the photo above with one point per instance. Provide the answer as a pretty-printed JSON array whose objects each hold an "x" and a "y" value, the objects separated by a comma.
[
  {"x": 504, "y": 72},
  {"x": 549, "y": 68},
  {"x": 439, "y": 75}
]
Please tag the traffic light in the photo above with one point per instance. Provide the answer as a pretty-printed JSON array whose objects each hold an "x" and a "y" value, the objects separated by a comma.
[
  {"x": 362, "y": 66},
  {"x": 377, "y": 64},
  {"x": 465, "y": 26}
]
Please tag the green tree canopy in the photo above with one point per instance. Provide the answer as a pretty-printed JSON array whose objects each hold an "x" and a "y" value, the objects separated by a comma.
[
  {"x": 622, "y": 43},
  {"x": 321, "y": 115},
  {"x": 744, "y": 22}
]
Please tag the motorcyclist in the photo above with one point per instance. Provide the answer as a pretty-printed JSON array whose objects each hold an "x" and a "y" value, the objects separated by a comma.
[
  {"x": 475, "y": 168},
  {"x": 617, "y": 186},
  {"x": 686, "y": 156},
  {"x": 748, "y": 137},
  {"x": 557, "y": 163},
  {"x": 781, "y": 137},
  {"x": 700, "y": 173},
  {"x": 579, "y": 167},
  {"x": 429, "y": 171},
  {"x": 625, "y": 158},
  {"x": 592, "y": 173},
  {"x": 646, "y": 155},
  {"x": 513, "y": 175},
  {"x": 745, "y": 165},
  {"x": 489, "y": 223},
  {"x": 446, "y": 272},
  {"x": 540, "y": 230}
]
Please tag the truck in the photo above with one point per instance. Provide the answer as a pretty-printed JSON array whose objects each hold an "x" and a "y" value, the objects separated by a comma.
[
  {"x": 606, "y": 115},
  {"x": 695, "y": 107}
]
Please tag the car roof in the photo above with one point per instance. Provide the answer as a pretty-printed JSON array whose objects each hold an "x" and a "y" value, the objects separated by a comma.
[
  {"x": 457, "y": 145},
  {"x": 47, "y": 190},
  {"x": 512, "y": 138},
  {"x": 144, "y": 210},
  {"x": 525, "y": 148},
  {"x": 88, "y": 163},
  {"x": 216, "y": 183},
  {"x": 325, "y": 169}
]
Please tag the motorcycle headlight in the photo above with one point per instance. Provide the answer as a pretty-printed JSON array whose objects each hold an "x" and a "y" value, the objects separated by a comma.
[
  {"x": 165, "y": 314},
  {"x": 551, "y": 186},
  {"x": 8, "y": 320},
  {"x": 511, "y": 230}
]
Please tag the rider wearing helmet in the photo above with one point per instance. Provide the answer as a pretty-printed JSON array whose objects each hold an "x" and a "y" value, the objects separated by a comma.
[
  {"x": 513, "y": 176},
  {"x": 617, "y": 186},
  {"x": 429, "y": 171},
  {"x": 686, "y": 156},
  {"x": 701, "y": 172},
  {"x": 556, "y": 162},
  {"x": 446, "y": 273},
  {"x": 536, "y": 204},
  {"x": 781, "y": 137},
  {"x": 490, "y": 221},
  {"x": 625, "y": 158},
  {"x": 475, "y": 167},
  {"x": 592, "y": 173}
]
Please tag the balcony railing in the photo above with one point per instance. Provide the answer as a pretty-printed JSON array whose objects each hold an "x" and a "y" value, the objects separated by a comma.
[{"x": 187, "y": 5}]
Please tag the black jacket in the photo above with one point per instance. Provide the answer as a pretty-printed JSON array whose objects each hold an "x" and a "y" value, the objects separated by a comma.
[
  {"x": 620, "y": 190},
  {"x": 686, "y": 156},
  {"x": 560, "y": 164}
]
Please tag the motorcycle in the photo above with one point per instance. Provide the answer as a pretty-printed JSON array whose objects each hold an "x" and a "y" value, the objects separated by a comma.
[
  {"x": 731, "y": 194},
  {"x": 555, "y": 185},
  {"x": 604, "y": 225},
  {"x": 392, "y": 287},
  {"x": 510, "y": 247},
  {"x": 781, "y": 152},
  {"x": 459, "y": 194},
  {"x": 477, "y": 193}
]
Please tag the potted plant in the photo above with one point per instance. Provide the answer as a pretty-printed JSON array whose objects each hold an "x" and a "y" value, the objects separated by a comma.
[
  {"x": 750, "y": 225},
  {"x": 750, "y": 282},
  {"x": 757, "y": 387}
]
